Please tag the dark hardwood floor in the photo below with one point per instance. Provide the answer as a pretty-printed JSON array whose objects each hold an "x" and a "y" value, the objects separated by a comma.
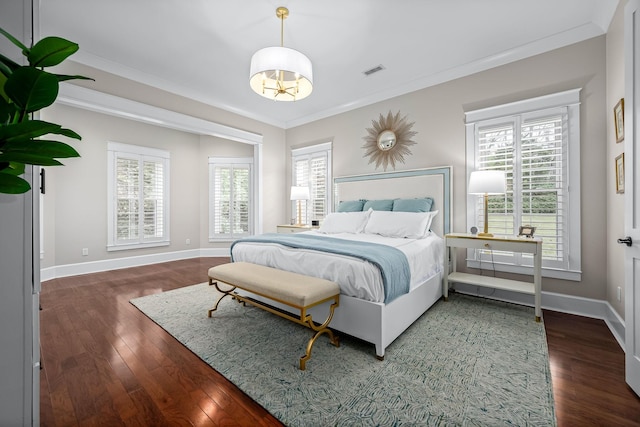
[{"x": 105, "y": 363}]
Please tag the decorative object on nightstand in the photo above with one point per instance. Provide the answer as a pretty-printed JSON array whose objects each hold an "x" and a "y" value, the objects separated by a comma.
[
  {"x": 486, "y": 182},
  {"x": 299, "y": 194},
  {"x": 526, "y": 231}
]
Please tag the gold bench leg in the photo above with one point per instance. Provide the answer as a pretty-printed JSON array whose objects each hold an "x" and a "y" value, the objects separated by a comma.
[
  {"x": 322, "y": 329},
  {"x": 224, "y": 294}
]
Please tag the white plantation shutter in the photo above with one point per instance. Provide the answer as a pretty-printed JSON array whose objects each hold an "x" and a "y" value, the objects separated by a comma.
[
  {"x": 544, "y": 183},
  {"x": 138, "y": 196},
  {"x": 152, "y": 196},
  {"x": 496, "y": 151},
  {"x": 301, "y": 170},
  {"x": 533, "y": 148},
  {"x": 230, "y": 198},
  {"x": 128, "y": 198},
  {"x": 312, "y": 168}
]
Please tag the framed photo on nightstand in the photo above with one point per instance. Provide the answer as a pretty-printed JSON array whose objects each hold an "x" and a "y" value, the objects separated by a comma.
[{"x": 526, "y": 231}]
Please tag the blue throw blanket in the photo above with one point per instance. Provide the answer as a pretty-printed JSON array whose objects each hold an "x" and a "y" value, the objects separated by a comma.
[{"x": 392, "y": 262}]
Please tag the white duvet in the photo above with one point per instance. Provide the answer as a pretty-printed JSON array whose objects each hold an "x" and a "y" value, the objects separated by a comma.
[{"x": 356, "y": 277}]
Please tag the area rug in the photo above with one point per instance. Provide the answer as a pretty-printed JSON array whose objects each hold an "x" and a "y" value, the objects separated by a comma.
[{"x": 465, "y": 362}]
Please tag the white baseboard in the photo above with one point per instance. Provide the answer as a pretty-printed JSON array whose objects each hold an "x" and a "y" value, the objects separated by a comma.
[
  {"x": 50, "y": 273},
  {"x": 587, "y": 307}
]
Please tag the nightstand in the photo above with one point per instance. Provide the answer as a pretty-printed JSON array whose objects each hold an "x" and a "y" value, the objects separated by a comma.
[
  {"x": 495, "y": 243},
  {"x": 294, "y": 228}
]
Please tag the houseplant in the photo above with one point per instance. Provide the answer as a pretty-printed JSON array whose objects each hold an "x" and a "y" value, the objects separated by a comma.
[{"x": 24, "y": 90}]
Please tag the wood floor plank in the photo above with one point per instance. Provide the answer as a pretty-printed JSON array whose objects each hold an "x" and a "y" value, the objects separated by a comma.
[
  {"x": 105, "y": 363},
  {"x": 587, "y": 368}
]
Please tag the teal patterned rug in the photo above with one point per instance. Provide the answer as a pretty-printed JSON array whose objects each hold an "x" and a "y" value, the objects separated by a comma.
[{"x": 468, "y": 361}]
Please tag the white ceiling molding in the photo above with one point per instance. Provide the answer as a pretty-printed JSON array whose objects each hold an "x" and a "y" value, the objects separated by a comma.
[
  {"x": 89, "y": 99},
  {"x": 566, "y": 38}
]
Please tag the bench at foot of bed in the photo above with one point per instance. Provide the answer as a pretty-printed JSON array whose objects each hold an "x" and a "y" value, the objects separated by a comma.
[{"x": 294, "y": 290}]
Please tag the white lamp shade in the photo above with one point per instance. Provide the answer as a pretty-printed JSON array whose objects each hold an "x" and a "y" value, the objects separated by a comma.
[
  {"x": 300, "y": 193},
  {"x": 487, "y": 182},
  {"x": 295, "y": 67}
]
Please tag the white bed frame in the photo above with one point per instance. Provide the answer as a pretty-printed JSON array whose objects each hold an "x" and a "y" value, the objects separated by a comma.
[{"x": 379, "y": 323}]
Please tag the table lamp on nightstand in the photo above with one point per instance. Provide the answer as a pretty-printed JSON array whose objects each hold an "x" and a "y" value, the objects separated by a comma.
[
  {"x": 299, "y": 194},
  {"x": 486, "y": 182}
]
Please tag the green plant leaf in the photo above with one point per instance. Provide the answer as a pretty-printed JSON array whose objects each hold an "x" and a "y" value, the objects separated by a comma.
[
  {"x": 68, "y": 133},
  {"x": 63, "y": 77},
  {"x": 54, "y": 149},
  {"x": 6, "y": 111},
  {"x": 29, "y": 130},
  {"x": 31, "y": 89},
  {"x": 51, "y": 51},
  {"x": 15, "y": 168},
  {"x": 7, "y": 65},
  {"x": 12, "y": 168},
  {"x": 24, "y": 90},
  {"x": 11, "y": 184},
  {"x": 29, "y": 158},
  {"x": 15, "y": 41}
]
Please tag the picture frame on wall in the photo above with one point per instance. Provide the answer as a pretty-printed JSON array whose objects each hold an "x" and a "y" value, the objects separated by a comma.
[
  {"x": 620, "y": 174},
  {"x": 618, "y": 119}
]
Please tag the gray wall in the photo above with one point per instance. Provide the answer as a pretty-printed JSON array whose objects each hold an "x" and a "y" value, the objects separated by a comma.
[
  {"x": 615, "y": 202},
  {"x": 75, "y": 206},
  {"x": 438, "y": 113}
]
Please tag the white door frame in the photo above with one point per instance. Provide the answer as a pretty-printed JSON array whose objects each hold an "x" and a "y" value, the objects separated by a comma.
[{"x": 632, "y": 193}]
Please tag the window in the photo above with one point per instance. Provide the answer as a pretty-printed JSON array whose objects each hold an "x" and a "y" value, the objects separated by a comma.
[
  {"x": 138, "y": 189},
  {"x": 537, "y": 143},
  {"x": 230, "y": 195},
  {"x": 311, "y": 167}
]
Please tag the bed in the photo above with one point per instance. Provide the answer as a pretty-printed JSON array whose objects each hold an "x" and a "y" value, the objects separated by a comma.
[{"x": 376, "y": 304}]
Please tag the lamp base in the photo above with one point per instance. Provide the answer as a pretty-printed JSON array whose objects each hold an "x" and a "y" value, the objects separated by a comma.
[{"x": 485, "y": 235}]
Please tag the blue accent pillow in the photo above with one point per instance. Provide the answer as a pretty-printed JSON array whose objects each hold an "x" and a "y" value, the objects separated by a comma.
[
  {"x": 351, "y": 206},
  {"x": 413, "y": 205},
  {"x": 378, "y": 205}
]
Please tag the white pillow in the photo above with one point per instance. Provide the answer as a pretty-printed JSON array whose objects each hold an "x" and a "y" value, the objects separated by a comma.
[
  {"x": 345, "y": 222},
  {"x": 411, "y": 225}
]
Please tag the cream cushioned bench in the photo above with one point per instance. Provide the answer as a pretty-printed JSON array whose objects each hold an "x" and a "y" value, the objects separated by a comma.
[{"x": 294, "y": 290}]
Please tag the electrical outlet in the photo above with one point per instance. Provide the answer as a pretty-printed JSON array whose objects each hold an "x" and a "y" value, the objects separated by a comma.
[
  {"x": 188, "y": 241},
  {"x": 85, "y": 251},
  {"x": 619, "y": 293}
]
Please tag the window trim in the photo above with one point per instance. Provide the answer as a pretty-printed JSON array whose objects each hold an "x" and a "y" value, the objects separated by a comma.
[
  {"x": 113, "y": 148},
  {"x": 528, "y": 108},
  {"x": 212, "y": 162},
  {"x": 324, "y": 147}
]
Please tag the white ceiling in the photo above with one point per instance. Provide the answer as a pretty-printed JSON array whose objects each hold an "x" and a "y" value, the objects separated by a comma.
[{"x": 201, "y": 49}]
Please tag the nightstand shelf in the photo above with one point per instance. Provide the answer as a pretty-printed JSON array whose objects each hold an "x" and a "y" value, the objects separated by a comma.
[
  {"x": 493, "y": 282},
  {"x": 497, "y": 243}
]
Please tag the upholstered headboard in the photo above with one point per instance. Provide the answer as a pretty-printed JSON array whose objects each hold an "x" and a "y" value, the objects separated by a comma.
[{"x": 432, "y": 182}]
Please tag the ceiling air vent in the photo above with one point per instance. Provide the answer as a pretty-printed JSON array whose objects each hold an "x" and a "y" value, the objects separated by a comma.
[{"x": 373, "y": 70}]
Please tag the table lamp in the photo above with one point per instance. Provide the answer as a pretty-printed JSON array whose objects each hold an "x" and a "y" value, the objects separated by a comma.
[
  {"x": 299, "y": 194},
  {"x": 487, "y": 182}
]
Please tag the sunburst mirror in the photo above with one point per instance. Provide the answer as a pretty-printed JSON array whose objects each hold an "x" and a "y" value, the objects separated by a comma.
[{"x": 388, "y": 140}]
